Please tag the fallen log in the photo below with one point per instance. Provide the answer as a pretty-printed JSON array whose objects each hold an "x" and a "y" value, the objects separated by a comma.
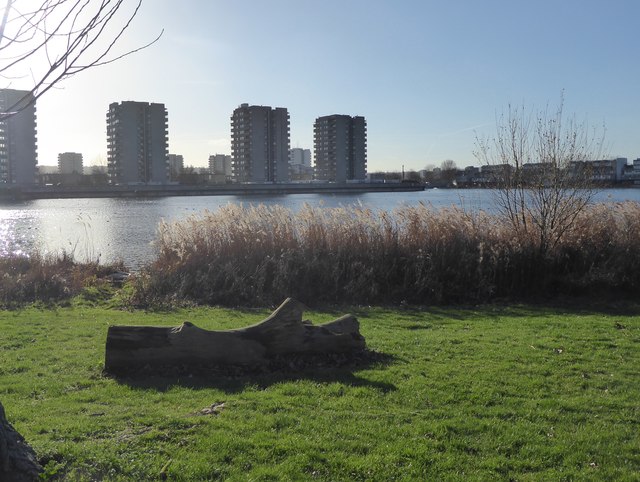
[
  {"x": 17, "y": 459},
  {"x": 283, "y": 333}
]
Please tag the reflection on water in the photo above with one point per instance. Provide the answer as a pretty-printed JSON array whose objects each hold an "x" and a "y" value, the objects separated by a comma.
[{"x": 110, "y": 230}]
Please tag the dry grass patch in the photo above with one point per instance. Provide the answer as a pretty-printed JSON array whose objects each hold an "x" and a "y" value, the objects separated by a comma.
[{"x": 46, "y": 278}]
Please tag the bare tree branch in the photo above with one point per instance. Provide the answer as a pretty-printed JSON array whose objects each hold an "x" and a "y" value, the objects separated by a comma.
[
  {"x": 57, "y": 39},
  {"x": 545, "y": 181}
]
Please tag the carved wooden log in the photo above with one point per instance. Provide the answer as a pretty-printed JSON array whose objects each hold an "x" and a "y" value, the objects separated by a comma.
[
  {"x": 17, "y": 459},
  {"x": 282, "y": 333}
]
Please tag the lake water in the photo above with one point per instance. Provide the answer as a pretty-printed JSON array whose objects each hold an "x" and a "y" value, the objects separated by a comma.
[{"x": 123, "y": 229}]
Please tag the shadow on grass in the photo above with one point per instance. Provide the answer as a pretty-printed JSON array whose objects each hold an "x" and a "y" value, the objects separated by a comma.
[
  {"x": 235, "y": 379},
  {"x": 512, "y": 309}
]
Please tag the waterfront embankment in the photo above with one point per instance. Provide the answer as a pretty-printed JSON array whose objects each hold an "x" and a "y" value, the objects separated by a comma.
[{"x": 164, "y": 190}]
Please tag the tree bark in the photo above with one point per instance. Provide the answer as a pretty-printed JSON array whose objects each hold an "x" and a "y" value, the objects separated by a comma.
[
  {"x": 282, "y": 333},
  {"x": 17, "y": 459}
]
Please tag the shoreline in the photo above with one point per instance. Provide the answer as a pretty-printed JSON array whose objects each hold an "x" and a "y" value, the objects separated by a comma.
[{"x": 157, "y": 191}]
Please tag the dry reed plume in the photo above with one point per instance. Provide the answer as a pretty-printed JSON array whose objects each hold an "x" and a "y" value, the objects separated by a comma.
[{"x": 258, "y": 255}]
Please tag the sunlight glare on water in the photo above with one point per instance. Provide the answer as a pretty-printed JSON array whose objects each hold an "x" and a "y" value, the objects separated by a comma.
[{"x": 18, "y": 231}]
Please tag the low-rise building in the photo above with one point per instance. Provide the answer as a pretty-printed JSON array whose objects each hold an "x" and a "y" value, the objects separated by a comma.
[
  {"x": 494, "y": 174},
  {"x": 300, "y": 172},
  {"x": 601, "y": 170}
]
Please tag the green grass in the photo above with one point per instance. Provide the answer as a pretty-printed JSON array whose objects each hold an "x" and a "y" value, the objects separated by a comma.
[{"x": 492, "y": 393}]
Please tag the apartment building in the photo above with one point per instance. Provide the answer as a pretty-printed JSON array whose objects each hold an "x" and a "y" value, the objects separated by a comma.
[
  {"x": 176, "y": 166},
  {"x": 299, "y": 156},
  {"x": 340, "y": 148},
  {"x": 600, "y": 170},
  {"x": 137, "y": 143},
  {"x": 70, "y": 163},
  {"x": 18, "y": 152},
  {"x": 300, "y": 168},
  {"x": 260, "y": 144},
  {"x": 220, "y": 164}
]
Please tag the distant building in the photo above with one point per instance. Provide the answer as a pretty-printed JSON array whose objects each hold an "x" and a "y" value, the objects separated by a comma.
[
  {"x": 300, "y": 168},
  {"x": 633, "y": 174},
  {"x": 299, "y": 156},
  {"x": 340, "y": 148},
  {"x": 70, "y": 163},
  {"x": 602, "y": 170},
  {"x": 220, "y": 164},
  {"x": 176, "y": 165},
  {"x": 137, "y": 139},
  {"x": 538, "y": 172},
  {"x": 220, "y": 169},
  {"x": 376, "y": 177},
  {"x": 18, "y": 153},
  {"x": 47, "y": 170},
  {"x": 300, "y": 172},
  {"x": 468, "y": 177},
  {"x": 260, "y": 144},
  {"x": 494, "y": 174}
]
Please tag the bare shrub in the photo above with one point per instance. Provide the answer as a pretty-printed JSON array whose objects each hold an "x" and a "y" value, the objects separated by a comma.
[
  {"x": 27, "y": 279},
  {"x": 542, "y": 180}
]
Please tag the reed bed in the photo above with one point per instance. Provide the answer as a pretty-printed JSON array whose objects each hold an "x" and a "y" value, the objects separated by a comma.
[{"x": 258, "y": 255}]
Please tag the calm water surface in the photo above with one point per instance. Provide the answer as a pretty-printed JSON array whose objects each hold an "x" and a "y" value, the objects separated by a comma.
[{"x": 123, "y": 229}]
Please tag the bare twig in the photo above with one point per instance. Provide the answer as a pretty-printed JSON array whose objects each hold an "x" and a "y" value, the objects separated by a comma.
[{"x": 66, "y": 36}]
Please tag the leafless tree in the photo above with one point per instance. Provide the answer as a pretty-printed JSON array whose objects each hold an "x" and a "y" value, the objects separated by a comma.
[
  {"x": 542, "y": 182},
  {"x": 448, "y": 165},
  {"x": 448, "y": 170},
  {"x": 47, "y": 41}
]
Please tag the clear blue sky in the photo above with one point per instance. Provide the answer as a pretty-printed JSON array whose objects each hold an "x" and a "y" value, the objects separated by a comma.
[{"x": 426, "y": 74}]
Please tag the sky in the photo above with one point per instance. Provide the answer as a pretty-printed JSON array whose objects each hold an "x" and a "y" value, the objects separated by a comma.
[{"x": 429, "y": 76}]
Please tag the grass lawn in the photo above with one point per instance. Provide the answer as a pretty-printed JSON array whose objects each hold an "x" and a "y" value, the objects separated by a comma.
[{"x": 492, "y": 393}]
